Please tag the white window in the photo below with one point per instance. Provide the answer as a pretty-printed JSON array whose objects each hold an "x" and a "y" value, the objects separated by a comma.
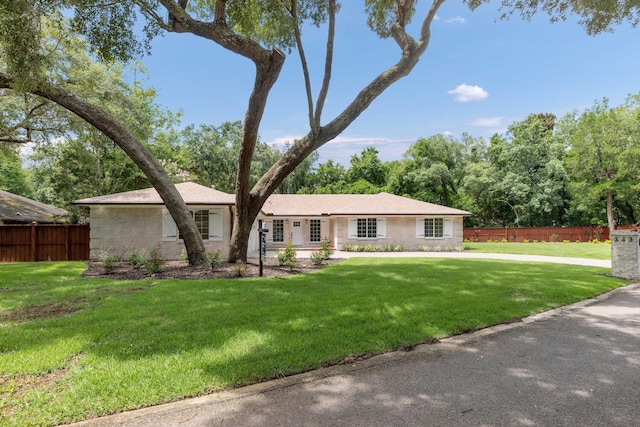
[
  {"x": 434, "y": 228},
  {"x": 314, "y": 230},
  {"x": 367, "y": 228},
  {"x": 208, "y": 222},
  {"x": 278, "y": 230}
]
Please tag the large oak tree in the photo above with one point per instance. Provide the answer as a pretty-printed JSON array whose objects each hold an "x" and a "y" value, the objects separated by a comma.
[{"x": 259, "y": 30}]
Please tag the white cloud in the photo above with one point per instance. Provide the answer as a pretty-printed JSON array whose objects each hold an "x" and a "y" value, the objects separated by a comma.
[
  {"x": 455, "y": 20},
  {"x": 487, "y": 121},
  {"x": 466, "y": 93}
]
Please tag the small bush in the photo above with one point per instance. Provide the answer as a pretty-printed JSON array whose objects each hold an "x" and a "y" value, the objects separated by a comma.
[
  {"x": 436, "y": 248},
  {"x": 136, "y": 258},
  {"x": 449, "y": 249},
  {"x": 324, "y": 253},
  {"x": 388, "y": 248},
  {"x": 109, "y": 260},
  {"x": 578, "y": 241},
  {"x": 212, "y": 258},
  {"x": 595, "y": 241},
  {"x": 460, "y": 248},
  {"x": 554, "y": 237},
  {"x": 535, "y": 241},
  {"x": 287, "y": 256},
  {"x": 240, "y": 268},
  {"x": 505, "y": 241},
  {"x": 399, "y": 248},
  {"x": 184, "y": 256},
  {"x": 423, "y": 248},
  {"x": 371, "y": 248},
  {"x": 608, "y": 242},
  {"x": 154, "y": 260},
  {"x": 346, "y": 247},
  {"x": 566, "y": 241},
  {"x": 525, "y": 241}
]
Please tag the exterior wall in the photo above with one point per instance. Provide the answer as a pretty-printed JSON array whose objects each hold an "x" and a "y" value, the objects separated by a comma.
[
  {"x": 120, "y": 228},
  {"x": 400, "y": 231},
  {"x": 625, "y": 254}
]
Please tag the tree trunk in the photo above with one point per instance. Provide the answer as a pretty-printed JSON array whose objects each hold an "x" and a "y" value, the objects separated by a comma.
[
  {"x": 610, "y": 220},
  {"x": 137, "y": 152}
]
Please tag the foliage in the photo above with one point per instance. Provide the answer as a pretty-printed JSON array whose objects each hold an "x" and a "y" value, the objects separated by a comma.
[
  {"x": 109, "y": 260},
  {"x": 604, "y": 159},
  {"x": 319, "y": 256},
  {"x": 240, "y": 268},
  {"x": 213, "y": 258},
  {"x": 287, "y": 255},
  {"x": 107, "y": 357},
  {"x": 154, "y": 260},
  {"x": 559, "y": 249},
  {"x": 13, "y": 178}
]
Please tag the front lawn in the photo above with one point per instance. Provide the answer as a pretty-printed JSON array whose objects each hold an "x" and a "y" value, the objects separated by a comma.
[
  {"x": 73, "y": 348},
  {"x": 571, "y": 250}
]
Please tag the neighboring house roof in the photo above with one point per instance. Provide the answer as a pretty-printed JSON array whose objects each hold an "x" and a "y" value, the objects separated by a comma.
[
  {"x": 14, "y": 208},
  {"x": 192, "y": 194},
  {"x": 351, "y": 204}
]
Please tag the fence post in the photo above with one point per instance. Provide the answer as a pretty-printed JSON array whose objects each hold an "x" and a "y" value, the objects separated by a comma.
[
  {"x": 33, "y": 241},
  {"x": 66, "y": 242}
]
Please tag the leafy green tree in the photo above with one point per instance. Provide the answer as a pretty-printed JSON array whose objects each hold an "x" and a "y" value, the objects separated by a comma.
[
  {"x": 432, "y": 170},
  {"x": 367, "y": 167},
  {"x": 13, "y": 178},
  {"x": 604, "y": 158},
  {"x": 530, "y": 176}
]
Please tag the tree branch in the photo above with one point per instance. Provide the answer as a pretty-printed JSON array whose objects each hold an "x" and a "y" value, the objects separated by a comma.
[
  {"x": 328, "y": 62},
  {"x": 309, "y": 143}
]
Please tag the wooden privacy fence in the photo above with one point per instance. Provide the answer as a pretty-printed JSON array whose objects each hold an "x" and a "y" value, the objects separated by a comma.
[
  {"x": 546, "y": 234},
  {"x": 44, "y": 242}
]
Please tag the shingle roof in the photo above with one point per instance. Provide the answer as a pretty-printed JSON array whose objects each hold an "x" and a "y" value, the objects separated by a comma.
[
  {"x": 351, "y": 204},
  {"x": 16, "y": 208},
  {"x": 192, "y": 194},
  {"x": 287, "y": 204}
]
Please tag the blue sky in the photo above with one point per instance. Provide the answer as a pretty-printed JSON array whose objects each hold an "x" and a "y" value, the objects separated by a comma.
[{"x": 478, "y": 76}]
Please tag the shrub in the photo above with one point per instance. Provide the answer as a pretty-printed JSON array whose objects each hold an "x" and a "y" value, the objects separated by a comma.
[
  {"x": 436, "y": 248},
  {"x": 346, "y": 247},
  {"x": 608, "y": 242},
  {"x": 535, "y": 241},
  {"x": 109, "y": 260},
  {"x": 240, "y": 268},
  {"x": 578, "y": 241},
  {"x": 183, "y": 255},
  {"x": 566, "y": 241},
  {"x": 595, "y": 241},
  {"x": 388, "y": 248},
  {"x": 505, "y": 241},
  {"x": 448, "y": 249},
  {"x": 554, "y": 237},
  {"x": 212, "y": 258},
  {"x": 423, "y": 248},
  {"x": 525, "y": 241},
  {"x": 287, "y": 256},
  {"x": 318, "y": 256},
  {"x": 399, "y": 248},
  {"x": 460, "y": 248},
  {"x": 136, "y": 258},
  {"x": 154, "y": 260}
]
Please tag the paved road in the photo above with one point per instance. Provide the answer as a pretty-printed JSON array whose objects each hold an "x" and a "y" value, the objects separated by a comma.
[{"x": 574, "y": 366}]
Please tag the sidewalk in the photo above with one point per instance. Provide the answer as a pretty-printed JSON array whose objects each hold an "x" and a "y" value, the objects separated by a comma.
[{"x": 575, "y": 365}]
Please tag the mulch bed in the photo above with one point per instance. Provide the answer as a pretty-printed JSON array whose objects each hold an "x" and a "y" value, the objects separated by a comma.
[{"x": 224, "y": 270}]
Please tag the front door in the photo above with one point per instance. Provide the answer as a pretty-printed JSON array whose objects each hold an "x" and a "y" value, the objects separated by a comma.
[{"x": 297, "y": 235}]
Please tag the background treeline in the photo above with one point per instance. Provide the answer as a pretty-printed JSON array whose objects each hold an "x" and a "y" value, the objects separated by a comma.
[{"x": 581, "y": 169}]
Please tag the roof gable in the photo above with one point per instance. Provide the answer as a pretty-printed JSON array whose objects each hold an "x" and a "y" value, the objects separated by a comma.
[{"x": 192, "y": 194}]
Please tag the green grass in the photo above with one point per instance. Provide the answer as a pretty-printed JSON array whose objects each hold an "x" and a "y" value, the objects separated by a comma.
[
  {"x": 131, "y": 344},
  {"x": 571, "y": 250}
]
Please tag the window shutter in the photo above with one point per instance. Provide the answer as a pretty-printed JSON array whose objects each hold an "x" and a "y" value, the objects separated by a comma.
[
  {"x": 215, "y": 225},
  {"x": 448, "y": 227},
  {"x": 324, "y": 228},
  {"x": 381, "y": 227},
  {"x": 269, "y": 226},
  {"x": 420, "y": 228},
  {"x": 169, "y": 229},
  {"x": 353, "y": 228}
]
